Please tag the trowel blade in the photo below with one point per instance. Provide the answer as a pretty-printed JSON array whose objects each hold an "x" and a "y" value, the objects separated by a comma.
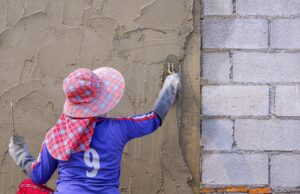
[{"x": 170, "y": 59}]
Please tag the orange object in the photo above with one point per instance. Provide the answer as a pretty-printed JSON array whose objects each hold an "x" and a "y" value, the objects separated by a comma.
[
  {"x": 260, "y": 190},
  {"x": 239, "y": 189}
]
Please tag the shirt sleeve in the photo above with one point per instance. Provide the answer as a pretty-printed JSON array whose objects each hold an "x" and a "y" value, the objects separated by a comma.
[
  {"x": 139, "y": 125},
  {"x": 43, "y": 168}
]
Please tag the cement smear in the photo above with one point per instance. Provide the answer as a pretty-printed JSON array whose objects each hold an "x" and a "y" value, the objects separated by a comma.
[{"x": 41, "y": 41}]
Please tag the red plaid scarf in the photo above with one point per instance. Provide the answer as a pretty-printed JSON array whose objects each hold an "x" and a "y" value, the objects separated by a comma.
[{"x": 70, "y": 135}]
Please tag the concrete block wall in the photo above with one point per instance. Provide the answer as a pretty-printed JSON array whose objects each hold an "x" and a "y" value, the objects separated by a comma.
[{"x": 251, "y": 94}]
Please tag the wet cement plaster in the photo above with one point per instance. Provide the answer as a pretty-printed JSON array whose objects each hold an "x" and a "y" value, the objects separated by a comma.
[{"x": 42, "y": 41}]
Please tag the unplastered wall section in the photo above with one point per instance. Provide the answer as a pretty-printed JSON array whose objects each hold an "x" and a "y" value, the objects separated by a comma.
[
  {"x": 251, "y": 94},
  {"x": 42, "y": 41}
]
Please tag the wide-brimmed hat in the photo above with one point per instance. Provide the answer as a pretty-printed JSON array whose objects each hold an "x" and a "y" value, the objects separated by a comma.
[{"x": 92, "y": 93}]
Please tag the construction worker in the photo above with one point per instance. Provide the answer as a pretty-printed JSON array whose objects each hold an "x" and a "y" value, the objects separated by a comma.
[{"x": 84, "y": 144}]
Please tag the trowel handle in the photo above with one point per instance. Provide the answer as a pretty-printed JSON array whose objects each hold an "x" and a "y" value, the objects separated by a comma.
[
  {"x": 17, "y": 139},
  {"x": 12, "y": 119}
]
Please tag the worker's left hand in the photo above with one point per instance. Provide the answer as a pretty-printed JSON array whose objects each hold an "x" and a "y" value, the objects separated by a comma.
[
  {"x": 19, "y": 152},
  {"x": 167, "y": 95},
  {"x": 173, "y": 81}
]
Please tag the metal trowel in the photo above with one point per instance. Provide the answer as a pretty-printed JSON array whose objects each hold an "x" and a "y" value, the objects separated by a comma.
[
  {"x": 19, "y": 140},
  {"x": 171, "y": 65}
]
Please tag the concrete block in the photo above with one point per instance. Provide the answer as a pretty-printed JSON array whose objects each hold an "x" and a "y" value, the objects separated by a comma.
[
  {"x": 268, "y": 7},
  {"x": 217, "y": 134},
  {"x": 266, "y": 67},
  {"x": 235, "y": 100},
  {"x": 216, "y": 67},
  {"x": 235, "y": 33},
  {"x": 287, "y": 100},
  {"x": 283, "y": 135},
  {"x": 285, "y": 171},
  {"x": 235, "y": 169},
  {"x": 217, "y": 7},
  {"x": 285, "y": 33}
]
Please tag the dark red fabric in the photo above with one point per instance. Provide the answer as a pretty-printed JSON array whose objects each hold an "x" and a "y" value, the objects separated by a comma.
[{"x": 28, "y": 187}]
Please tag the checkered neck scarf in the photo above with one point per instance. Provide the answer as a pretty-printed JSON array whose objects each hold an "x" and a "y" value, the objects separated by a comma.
[{"x": 70, "y": 135}]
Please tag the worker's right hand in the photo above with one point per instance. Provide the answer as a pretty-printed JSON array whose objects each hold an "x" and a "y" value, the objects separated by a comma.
[
  {"x": 20, "y": 154},
  {"x": 167, "y": 95}
]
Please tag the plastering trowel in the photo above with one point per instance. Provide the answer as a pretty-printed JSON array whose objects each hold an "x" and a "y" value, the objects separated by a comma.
[
  {"x": 171, "y": 65},
  {"x": 19, "y": 140}
]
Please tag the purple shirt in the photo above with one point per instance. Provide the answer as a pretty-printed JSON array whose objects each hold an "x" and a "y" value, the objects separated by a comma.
[{"x": 96, "y": 170}]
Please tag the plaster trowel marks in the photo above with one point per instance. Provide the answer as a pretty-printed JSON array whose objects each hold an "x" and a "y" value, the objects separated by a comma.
[{"x": 43, "y": 41}]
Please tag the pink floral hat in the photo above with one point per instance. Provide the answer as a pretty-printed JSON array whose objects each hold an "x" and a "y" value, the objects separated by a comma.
[{"x": 92, "y": 93}]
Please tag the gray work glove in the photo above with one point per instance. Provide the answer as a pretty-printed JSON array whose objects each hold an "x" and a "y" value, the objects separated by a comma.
[
  {"x": 19, "y": 152},
  {"x": 167, "y": 95}
]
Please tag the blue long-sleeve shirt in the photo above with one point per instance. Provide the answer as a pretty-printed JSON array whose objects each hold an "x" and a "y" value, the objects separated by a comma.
[{"x": 96, "y": 170}]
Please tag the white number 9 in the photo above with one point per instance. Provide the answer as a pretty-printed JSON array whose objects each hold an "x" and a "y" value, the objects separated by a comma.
[{"x": 94, "y": 163}]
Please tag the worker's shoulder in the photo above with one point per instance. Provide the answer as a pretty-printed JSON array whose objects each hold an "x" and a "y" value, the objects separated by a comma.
[
  {"x": 138, "y": 117},
  {"x": 107, "y": 123},
  {"x": 133, "y": 118}
]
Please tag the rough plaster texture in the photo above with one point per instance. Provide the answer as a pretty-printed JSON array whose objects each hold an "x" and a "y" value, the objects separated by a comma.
[
  {"x": 258, "y": 92},
  {"x": 42, "y": 41}
]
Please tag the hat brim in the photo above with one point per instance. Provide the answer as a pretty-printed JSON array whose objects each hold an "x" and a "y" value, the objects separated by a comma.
[{"x": 111, "y": 92}]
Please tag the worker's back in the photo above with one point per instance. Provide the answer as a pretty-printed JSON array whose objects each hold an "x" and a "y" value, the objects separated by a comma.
[{"x": 97, "y": 170}]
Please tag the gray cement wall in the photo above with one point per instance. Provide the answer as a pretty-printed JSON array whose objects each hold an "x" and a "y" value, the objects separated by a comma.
[
  {"x": 42, "y": 41},
  {"x": 251, "y": 94}
]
